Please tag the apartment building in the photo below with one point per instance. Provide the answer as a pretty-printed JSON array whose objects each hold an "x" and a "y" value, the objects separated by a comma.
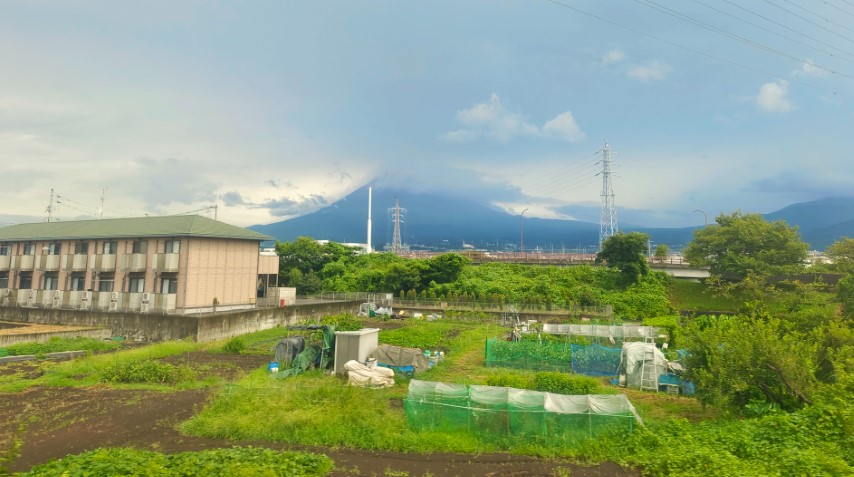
[{"x": 172, "y": 264}]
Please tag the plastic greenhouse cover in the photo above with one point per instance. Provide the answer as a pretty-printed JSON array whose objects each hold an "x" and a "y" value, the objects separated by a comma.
[
  {"x": 421, "y": 390},
  {"x": 489, "y": 395},
  {"x": 603, "y": 331},
  {"x": 526, "y": 400}
]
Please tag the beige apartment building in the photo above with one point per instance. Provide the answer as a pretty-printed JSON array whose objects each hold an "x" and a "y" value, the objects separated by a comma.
[{"x": 173, "y": 264}]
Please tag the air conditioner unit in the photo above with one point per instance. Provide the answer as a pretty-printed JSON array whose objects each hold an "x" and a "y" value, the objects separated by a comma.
[
  {"x": 114, "y": 306},
  {"x": 143, "y": 308},
  {"x": 114, "y": 296},
  {"x": 85, "y": 295},
  {"x": 146, "y": 297},
  {"x": 57, "y": 294}
]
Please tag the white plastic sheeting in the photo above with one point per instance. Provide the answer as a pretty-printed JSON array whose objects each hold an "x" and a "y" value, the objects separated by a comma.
[
  {"x": 361, "y": 375},
  {"x": 632, "y": 363},
  {"x": 621, "y": 332}
]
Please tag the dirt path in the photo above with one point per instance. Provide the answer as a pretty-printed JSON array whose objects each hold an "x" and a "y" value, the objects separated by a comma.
[{"x": 61, "y": 421}]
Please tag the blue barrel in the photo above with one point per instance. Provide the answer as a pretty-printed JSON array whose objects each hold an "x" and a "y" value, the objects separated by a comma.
[{"x": 273, "y": 367}]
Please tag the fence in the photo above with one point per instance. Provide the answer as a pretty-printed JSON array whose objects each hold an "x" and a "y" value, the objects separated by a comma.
[{"x": 587, "y": 359}]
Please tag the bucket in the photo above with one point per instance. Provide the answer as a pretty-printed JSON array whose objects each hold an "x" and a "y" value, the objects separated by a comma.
[
  {"x": 273, "y": 367},
  {"x": 371, "y": 363}
]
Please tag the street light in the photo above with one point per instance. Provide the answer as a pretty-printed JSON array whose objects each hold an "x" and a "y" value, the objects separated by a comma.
[
  {"x": 522, "y": 231},
  {"x": 705, "y": 219}
]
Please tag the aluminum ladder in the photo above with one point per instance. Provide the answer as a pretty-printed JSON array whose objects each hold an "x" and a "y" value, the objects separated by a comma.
[{"x": 649, "y": 377}]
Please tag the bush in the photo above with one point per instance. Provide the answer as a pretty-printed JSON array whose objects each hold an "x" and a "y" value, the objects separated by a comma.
[
  {"x": 234, "y": 346},
  {"x": 237, "y": 461},
  {"x": 561, "y": 383},
  {"x": 510, "y": 380},
  {"x": 342, "y": 322},
  {"x": 146, "y": 371}
]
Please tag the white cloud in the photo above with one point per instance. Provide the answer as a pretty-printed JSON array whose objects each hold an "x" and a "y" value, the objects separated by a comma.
[
  {"x": 773, "y": 98},
  {"x": 492, "y": 120},
  {"x": 565, "y": 127},
  {"x": 808, "y": 68},
  {"x": 650, "y": 71},
  {"x": 613, "y": 56}
]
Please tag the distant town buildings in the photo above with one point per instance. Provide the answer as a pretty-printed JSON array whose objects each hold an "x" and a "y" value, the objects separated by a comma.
[{"x": 172, "y": 264}]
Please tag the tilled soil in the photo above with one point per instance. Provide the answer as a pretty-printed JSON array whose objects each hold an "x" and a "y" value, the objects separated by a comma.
[{"x": 55, "y": 422}]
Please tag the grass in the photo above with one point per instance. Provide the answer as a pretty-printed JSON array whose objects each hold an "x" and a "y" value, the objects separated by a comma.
[
  {"x": 55, "y": 345},
  {"x": 87, "y": 371},
  {"x": 695, "y": 296}
]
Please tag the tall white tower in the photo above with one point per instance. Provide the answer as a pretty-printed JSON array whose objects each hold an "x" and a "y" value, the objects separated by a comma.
[
  {"x": 368, "y": 248},
  {"x": 608, "y": 211}
]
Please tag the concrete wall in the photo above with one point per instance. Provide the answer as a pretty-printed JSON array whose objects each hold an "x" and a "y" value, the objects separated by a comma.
[
  {"x": 154, "y": 327},
  {"x": 6, "y": 340}
]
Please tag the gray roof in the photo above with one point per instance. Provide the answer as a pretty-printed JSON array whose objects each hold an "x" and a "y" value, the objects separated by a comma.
[{"x": 168, "y": 226}]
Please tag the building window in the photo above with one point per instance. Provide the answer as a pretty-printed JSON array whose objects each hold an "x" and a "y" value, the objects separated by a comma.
[
  {"x": 4, "y": 279},
  {"x": 25, "y": 281},
  {"x": 169, "y": 283},
  {"x": 53, "y": 248},
  {"x": 78, "y": 281},
  {"x": 137, "y": 283},
  {"x": 81, "y": 248},
  {"x": 51, "y": 282},
  {"x": 105, "y": 282},
  {"x": 140, "y": 246},
  {"x": 29, "y": 249},
  {"x": 4, "y": 249},
  {"x": 172, "y": 246},
  {"x": 109, "y": 248}
]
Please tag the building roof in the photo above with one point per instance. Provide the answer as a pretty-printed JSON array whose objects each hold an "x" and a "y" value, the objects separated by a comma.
[{"x": 168, "y": 226}]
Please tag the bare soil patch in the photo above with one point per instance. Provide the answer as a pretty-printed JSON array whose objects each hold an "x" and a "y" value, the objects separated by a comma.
[
  {"x": 227, "y": 366},
  {"x": 56, "y": 422}
]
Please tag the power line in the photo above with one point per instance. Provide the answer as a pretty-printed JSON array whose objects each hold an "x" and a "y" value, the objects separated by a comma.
[
  {"x": 736, "y": 37},
  {"x": 840, "y": 9},
  {"x": 808, "y": 20},
  {"x": 787, "y": 27},
  {"x": 687, "y": 48},
  {"x": 790, "y": 2},
  {"x": 794, "y": 40}
]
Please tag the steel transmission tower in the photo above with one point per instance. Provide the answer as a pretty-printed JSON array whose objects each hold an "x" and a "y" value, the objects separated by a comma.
[
  {"x": 397, "y": 217},
  {"x": 608, "y": 212}
]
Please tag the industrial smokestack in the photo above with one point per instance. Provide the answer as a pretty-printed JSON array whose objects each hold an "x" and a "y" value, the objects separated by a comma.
[{"x": 368, "y": 248}]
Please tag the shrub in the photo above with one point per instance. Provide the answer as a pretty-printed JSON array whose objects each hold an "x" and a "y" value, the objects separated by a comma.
[
  {"x": 342, "y": 322},
  {"x": 561, "y": 383},
  {"x": 146, "y": 371},
  {"x": 234, "y": 346},
  {"x": 510, "y": 380}
]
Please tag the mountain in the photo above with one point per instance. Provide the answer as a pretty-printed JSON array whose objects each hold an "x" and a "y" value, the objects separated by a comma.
[{"x": 439, "y": 221}]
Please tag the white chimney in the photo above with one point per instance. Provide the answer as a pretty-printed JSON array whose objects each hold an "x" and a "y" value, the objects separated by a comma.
[{"x": 368, "y": 247}]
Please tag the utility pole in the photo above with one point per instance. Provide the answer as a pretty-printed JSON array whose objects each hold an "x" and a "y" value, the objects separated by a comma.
[
  {"x": 101, "y": 210},
  {"x": 608, "y": 212},
  {"x": 522, "y": 230},
  {"x": 397, "y": 213},
  {"x": 51, "y": 208}
]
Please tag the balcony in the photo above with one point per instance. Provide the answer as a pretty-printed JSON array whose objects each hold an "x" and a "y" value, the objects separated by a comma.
[
  {"x": 134, "y": 262},
  {"x": 49, "y": 262},
  {"x": 5, "y": 299},
  {"x": 23, "y": 262},
  {"x": 76, "y": 262},
  {"x": 166, "y": 262},
  {"x": 27, "y": 298},
  {"x": 5, "y": 262},
  {"x": 49, "y": 298},
  {"x": 105, "y": 263}
]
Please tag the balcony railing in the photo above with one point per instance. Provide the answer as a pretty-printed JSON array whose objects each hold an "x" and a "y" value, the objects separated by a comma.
[
  {"x": 5, "y": 262},
  {"x": 49, "y": 262},
  {"x": 23, "y": 262},
  {"x": 76, "y": 262},
  {"x": 105, "y": 262},
  {"x": 166, "y": 262}
]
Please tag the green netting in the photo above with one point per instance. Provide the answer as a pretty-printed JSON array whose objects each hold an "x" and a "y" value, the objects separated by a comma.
[
  {"x": 539, "y": 356},
  {"x": 499, "y": 412},
  {"x": 595, "y": 360}
]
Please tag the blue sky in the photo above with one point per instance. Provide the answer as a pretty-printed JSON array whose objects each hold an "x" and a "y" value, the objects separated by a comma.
[{"x": 273, "y": 109}]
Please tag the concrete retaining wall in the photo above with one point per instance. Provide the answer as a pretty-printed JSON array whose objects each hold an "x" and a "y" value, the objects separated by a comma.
[
  {"x": 154, "y": 327},
  {"x": 6, "y": 340}
]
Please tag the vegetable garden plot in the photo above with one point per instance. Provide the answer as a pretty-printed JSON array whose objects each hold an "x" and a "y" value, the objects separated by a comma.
[
  {"x": 589, "y": 360},
  {"x": 499, "y": 412}
]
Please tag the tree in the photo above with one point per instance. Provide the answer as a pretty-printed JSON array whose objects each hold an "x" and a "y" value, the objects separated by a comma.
[
  {"x": 626, "y": 252},
  {"x": 661, "y": 253},
  {"x": 445, "y": 268},
  {"x": 841, "y": 254},
  {"x": 741, "y": 244}
]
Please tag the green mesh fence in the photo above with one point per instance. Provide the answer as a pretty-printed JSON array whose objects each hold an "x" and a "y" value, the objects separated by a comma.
[
  {"x": 539, "y": 356},
  {"x": 498, "y": 412},
  {"x": 595, "y": 360}
]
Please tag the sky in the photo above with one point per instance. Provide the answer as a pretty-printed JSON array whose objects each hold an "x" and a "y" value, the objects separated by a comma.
[{"x": 272, "y": 109}]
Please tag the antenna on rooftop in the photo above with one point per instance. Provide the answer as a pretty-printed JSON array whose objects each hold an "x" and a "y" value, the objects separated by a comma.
[{"x": 101, "y": 210}]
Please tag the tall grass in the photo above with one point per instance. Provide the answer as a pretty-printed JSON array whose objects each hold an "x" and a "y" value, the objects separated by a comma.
[{"x": 696, "y": 296}]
